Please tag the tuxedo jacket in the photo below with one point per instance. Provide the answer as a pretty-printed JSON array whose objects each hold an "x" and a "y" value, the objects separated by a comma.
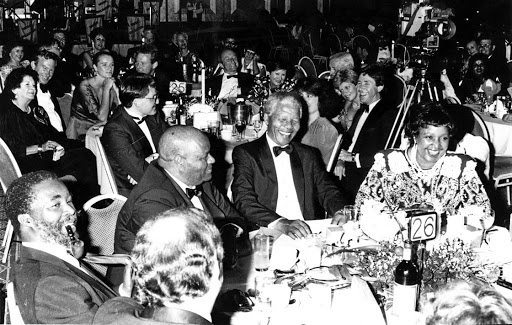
[
  {"x": 127, "y": 147},
  {"x": 158, "y": 192},
  {"x": 255, "y": 186},
  {"x": 245, "y": 82},
  {"x": 49, "y": 290},
  {"x": 57, "y": 108},
  {"x": 372, "y": 138}
]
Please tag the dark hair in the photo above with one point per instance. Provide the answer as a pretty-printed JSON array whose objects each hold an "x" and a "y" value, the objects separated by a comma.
[
  {"x": 148, "y": 49},
  {"x": 96, "y": 57},
  {"x": 276, "y": 65},
  {"x": 95, "y": 32},
  {"x": 45, "y": 54},
  {"x": 15, "y": 78},
  {"x": 377, "y": 72},
  {"x": 7, "y": 48},
  {"x": 20, "y": 195},
  {"x": 487, "y": 36},
  {"x": 329, "y": 103},
  {"x": 427, "y": 114},
  {"x": 135, "y": 85},
  {"x": 479, "y": 57}
]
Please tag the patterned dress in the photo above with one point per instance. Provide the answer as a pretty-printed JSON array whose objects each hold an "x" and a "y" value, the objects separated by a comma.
[{"x": 399, "y": 182}]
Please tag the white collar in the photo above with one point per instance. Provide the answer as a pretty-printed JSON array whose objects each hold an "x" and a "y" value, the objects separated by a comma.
[
  {"x": 182, "y": 185},
  {"x": 56, "y": 250},
  {"x": 133, "y": 113}
]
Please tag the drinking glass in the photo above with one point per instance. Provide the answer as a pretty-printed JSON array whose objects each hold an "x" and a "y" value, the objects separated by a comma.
[
  {"x": 263, "y": 292},
  {"x": 213, "y": 127},
  {"x": 261, "y": 252},
  {"x": 257, "y": 126},
  {"x": 240, "y": 128},
  {"x": 351, "y": 213}
]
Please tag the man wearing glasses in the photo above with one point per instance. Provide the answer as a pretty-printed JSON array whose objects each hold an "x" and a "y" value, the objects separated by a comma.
[
  {"x": 131, "y": 135},
  {"x": 497, "y": 63}
]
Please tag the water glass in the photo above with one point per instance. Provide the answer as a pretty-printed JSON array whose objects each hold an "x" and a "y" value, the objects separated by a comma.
[
  {"x": 263, "y": 291},
  {"x": 261, "y": 252},
  {"x": 213, "y": 127}
]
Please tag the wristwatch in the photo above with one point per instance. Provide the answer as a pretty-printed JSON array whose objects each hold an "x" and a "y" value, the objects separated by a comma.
[
  {"x": 353, "y": 156},
  {"x": 39, "y": 149}
]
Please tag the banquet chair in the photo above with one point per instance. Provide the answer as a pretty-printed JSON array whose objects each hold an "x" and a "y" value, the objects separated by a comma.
[
  {"x": 309, "y": 66},
  {"x": 106, "y": 178},
  {"x": 401, "y": 89},
  {"x": 65, "y": 106},
  {"x": 334, "y": 43},
  {"x": 335, "y": 153},
  {"x": 325, "y": 75},
  {"x": 480, "y": 128},
  {"x": 299, "y": 72},
  {"x": 277, "y": 48},
  {"x": 313, "y": 47},
  {"x": 102, "y": 224},
  {"x": 14, "y": 310}
]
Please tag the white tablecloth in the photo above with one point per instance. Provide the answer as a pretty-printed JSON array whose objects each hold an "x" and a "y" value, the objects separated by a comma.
[{"x": 501, "y": 135}]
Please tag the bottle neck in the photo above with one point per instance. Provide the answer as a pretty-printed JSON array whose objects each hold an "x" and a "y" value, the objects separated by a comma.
[{"x": 407, "y": 254}]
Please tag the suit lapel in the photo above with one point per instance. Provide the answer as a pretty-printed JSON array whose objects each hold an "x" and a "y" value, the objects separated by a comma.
[
  {"x": 266, "y": 163},
  {"x": 178, "y": 192},
  {"x": 298, "y": 175},
  {"x": 139, "y": 138}
]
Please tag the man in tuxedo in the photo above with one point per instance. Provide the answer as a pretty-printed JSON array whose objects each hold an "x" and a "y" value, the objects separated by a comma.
[
  {"x": 497, "y": 64},
  {"x": 369, "y": 130},
  {"x": 278, "y": 183},
  {"x": 50, "y": 284},
  {"x": 177, "y": 262},
  {"x": 179, "y": 178},
  {"x": 44, "y": 63},
  {"x": 131, "y": 135},
  {"x": 226, "y": 85}
]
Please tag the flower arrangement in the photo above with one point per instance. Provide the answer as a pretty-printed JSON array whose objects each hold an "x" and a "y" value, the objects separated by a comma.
[{"x": 451, "y": 259}]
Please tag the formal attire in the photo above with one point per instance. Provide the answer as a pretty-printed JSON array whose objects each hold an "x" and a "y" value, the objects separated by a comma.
[
  {"x": 372, "y": 136},
  {"x": 50, "y": 104},
  {"x": 262, "y": 89},
  {"x": 127, "y": 145},
  {"x": 51, "y": 290},
  {"x": 123, "y": 310},
  {"x": 256, "y": 189},
  {"x": 158, "y": 192},
  {"x": 397, "y": 180},
  {"x": 243, "y": 80},
  {"x": 322, "y": 135}
]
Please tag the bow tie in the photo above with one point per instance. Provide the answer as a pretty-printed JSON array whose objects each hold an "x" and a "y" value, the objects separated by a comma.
[
  {"x": 365, "y": 108},
  {"x": 139, "y": 120},
  {"x": 277, "y": 150},
  {"x": 191, "y": 192},
  {"x": 44, "y": 88},
  {"x": 232, "y": 76}
]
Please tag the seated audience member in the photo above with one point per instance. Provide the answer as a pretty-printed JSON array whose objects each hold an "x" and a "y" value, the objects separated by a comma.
[
  {"x": 185, "y": 57},
  {"x": 177, "y": 260},
  {"x": 150, "y": 37},
  {"x": 12, "y": 58},
  {"x": 226, "y": 84},
  {"x": 269, "y": 168},
  {"x": 478, "y": 79},
  {"x": 228, "y": 43},
  {"x": 345, "y": 83},
  {"x": 322, "y": 106},
  {"x": 425, "y": 174},
  {"x": 35, "y": 144},
  {"x": 45, "y": 63},
  {"x": 179, "y": 178},
  {"x": 131, "y": 135},
  {"x": 67, "y": 67},
  {"x": 369, "y": 134},
  {"x": 98, "y": 44},
  {"x": 95, "y": 99},
  {"x": 250, "y": 63},
  {"x": 471, "y": 49},
  {"x": 50, "y": 284},
  {"x": 497, "y": 62},
  {"x": 460, "y": 303},
  {"x": 146, "y": 61},
  {"x": 275, "y": 81},
  {"x": 340, "y": 61}
]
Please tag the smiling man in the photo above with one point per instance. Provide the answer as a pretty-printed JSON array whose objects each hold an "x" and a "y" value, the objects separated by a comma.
[
  {"x": 226, "y": 84},
  {"x": 179, "y": 178},
  {"x": 279, "y": 183},
  {"x": 369, "y": 130},
  {"x": 131, "y": 135}
]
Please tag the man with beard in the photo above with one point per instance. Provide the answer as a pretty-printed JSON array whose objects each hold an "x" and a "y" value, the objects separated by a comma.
[{"x": 50, "y": 284}]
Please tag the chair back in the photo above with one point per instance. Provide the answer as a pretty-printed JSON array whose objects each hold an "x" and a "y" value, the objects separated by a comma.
[
  {"x": 325, "y": 75},
  {"x": 14, "y": 311},
  {"x": 106, "y": 178},
  {"x": 102, "y": 224},
  {"x": 335, "y": 153},
  {"x": 334, "y": 43},
  {"x": 10, "y": 169},
  {"x": 401, "y": 89},
  {"x": 299, "y": 72},
  {"x": 480, "y": 128},
  {"x": 65, "y": 107},
  {"x": 309, "y": 66}
]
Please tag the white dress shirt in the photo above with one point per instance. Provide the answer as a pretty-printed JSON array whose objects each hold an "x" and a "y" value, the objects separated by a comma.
[
  {"x": 195, "y": 200},
  {"x": 45, "y": 101},
  {"x": 56, "y": 250},
  {"x": 288, "y": 205},
  {"x": 144, "y": 128},
  {"x": 359, "y": 126},
  {"x": 229, "y": 87}
]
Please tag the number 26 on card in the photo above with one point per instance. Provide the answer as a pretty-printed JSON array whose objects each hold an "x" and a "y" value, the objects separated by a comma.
[{"x": 423, "y": 226}]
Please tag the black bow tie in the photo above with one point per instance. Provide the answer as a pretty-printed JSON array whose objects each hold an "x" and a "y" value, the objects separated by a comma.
[
  {"x": 365, "y": 108},
  {"x": 139, "y": 120},
  {"x": 44, "y": 88},
  {"x": 191, "y": 192},
  {"x": 232, "y": 76},
  {"x": 277, "y": 150}
]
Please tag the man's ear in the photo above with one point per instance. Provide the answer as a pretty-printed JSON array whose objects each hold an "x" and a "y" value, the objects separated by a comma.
[
  {"x": 33, "y": 65},
  {"x": 25, "y": 220},
  {"x": 379, "y": 88},
  {"x": 155, "y": 64}
]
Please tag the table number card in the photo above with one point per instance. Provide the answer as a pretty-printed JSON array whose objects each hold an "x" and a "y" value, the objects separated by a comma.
[{"x": 177, "y": 87}]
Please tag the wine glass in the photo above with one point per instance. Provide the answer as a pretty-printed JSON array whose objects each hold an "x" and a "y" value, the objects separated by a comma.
[
  {"x": 240, "y": 126},
  {"x": 239, "y": 116},
  {"x": 351, "y": 213},
  {"x": 257, "y": 126}
]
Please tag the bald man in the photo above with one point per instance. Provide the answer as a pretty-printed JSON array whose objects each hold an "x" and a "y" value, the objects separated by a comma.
[{"x": 179, "y": 178}]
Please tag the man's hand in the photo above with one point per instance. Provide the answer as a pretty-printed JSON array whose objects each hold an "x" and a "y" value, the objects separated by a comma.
[
  {"x": 293, "y": 228},
  {"x": 345, "y": 155},
  {"x": 339, "y": 169},
  {"x": 339, "y": 218}
]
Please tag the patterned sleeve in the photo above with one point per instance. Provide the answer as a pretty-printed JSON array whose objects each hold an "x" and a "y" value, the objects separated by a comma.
[
  {"x": 473, "y": 192},
  {"x": 371, "y": 188}
]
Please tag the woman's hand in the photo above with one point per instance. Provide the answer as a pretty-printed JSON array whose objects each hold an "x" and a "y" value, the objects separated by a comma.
[
  {"x": 49, "y": 145},
  {"x": 109, "y": 83}
]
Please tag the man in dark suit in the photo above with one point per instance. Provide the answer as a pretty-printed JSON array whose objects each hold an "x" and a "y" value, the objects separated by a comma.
[
  {"x": 369, "y": 130},
  {"x": 179, "y": 178},
  {"x": 131, "y": 135},
  {"x": 280, "y": 189},
  {"x": 177, "y": 258},
  {"x": 497, "y": 64},
  {"x": 225, "y": 85},
  {"x": 50, "y": 284}
]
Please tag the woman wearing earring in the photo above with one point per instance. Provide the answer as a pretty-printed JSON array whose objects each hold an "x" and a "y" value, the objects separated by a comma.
[{"x": 95, "y": 98}]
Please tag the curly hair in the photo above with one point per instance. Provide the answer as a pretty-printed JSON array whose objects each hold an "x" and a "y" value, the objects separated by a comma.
[
  {"x": 7, "y": 48},
  {"x": 20, "y": 195},
  {"x": 427, "y": 114},
  {"x": 329, "y": 103},
  {"x": 469, "y": 303},
  {"x": 14, "y": 80},
  {"x": 174, "y": 256}
]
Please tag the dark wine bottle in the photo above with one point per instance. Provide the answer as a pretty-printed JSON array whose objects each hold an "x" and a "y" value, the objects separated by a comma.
[
  {"x": 405, "y": 290},
  {"x": 181, "y": 113}
]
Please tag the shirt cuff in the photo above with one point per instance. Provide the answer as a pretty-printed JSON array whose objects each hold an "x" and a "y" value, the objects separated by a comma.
[
  {"x": 356, "y": 160},
  {"x": 273, "y": 223}
]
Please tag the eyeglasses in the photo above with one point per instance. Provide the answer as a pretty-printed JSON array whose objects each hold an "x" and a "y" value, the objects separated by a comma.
[
  {"x": 485, "y": 45},
  {"x": 155, "y": 97}
]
